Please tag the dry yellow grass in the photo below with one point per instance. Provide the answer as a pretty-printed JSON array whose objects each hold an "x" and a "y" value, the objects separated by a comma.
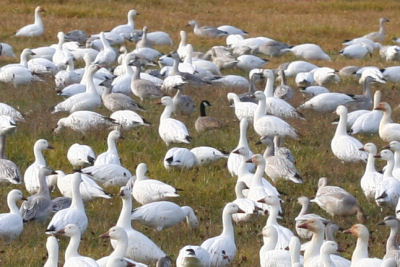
[{"x": 206, "y": 189}]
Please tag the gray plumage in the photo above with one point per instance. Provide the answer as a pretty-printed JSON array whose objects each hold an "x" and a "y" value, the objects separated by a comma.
[
  {"x": 273, "y": 48},
  {"x": 183, "y": 104},
  {"x": 206, "y": 31},
  {"x": 284, "y": 90},
  {"x": 118, "y": 101},
  {"x": 9, "y": 171},
  {"x": 143, "y": 88},
  {"x": 363, "y": 101},
  {"x": 76, "y": 36},
  {"x": 60, "y": 203}
]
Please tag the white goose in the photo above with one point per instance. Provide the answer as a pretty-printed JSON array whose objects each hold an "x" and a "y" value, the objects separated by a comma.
[
  {"x": 245, "y": 204},
  {"x": 179, "y": 157},
  {"x": 344, "y": 146},
  {"x": 108, "y": 174},
  {"x": 379, "y": 35},
  {"x": 360, "y": 255},
  {"x": 88, "y": 100},
  {"x": 388, "y": 130},
  {"x": 267, "y": 125},
  {"x": 75, "y": 214},
  {"x": 234, "y": 160},
  {"x": 140, "y": 247},
  {"x": 72, "y": 257},
  {"x": 222, "y": 248},
  {"x": 242, "y": 109},
  {"x": 193, "y": 256},
  {"x": 110, "y": 156},
  {"x": 31, "y": 175},
  {"x": 146, "y": 190},
  {"x": 11, "y": 112},
  {"x": 80, "y": 156},
  {"x": 35, "y": 29},
  {"x": 163, "y": 214},
  {"x": 9, "y": 171},
  {"x": 295, "y": 67},
  {"x": 326, "y": 102},
  {"x": 309, "y": 52},
  {"x": 371, "y": 178},
  {"x": 171, "y": 130},
  {"x": 395, "y": 147},
  {"x": 83, "y": 121},
  {"x": 127, "y": 29},
  {"x": 128, "y": 119},
  {"x": 11, "y": 224},
  {"x": 61, "y": 55},
  {"x": 52, "y": 252},
  {"x": 107, "y": 56},
  {"x": 69, "y": 76},
  {"x": 205, "y": 155},
  {"x": 182, "y": 45},
  {"x": 392, "y": 247}
]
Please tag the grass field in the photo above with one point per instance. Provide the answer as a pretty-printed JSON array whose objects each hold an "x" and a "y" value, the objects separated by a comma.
[{"x": 206, "y": 189}]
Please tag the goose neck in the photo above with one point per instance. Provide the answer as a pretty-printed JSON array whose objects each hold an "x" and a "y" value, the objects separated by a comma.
[
  {"x": 269, "y": 87},
  {"x": 227, "y": 224},
  {"x": 73, "y": 245},
  {"x": 260, "y": 110},
  {"x": 341, "y": 128},
  {"x": 391, "y": 243},
  {"x": 386, "y": 118},
  {"x": 305, "y": 208},
  {"x": 2, "y": 146},
  {"x": 90, "y": 87},
  {"x": 258, "y": 175},
  {"x": 202, "y": 110},
  {"x": 326, "y": 260},
  {"x": 269, "y": 151},
  {"x": 12, "y": 205},
  {"x": 167, "y": 112},
  {"x": 252, "y": 86},
  {"x": 243, "y": 136},
  {"x": 136, "y": 73},
  {"x": 121, "y": 247},
  {"x": 43, "y": 187},
  {"x": 38, "y": 19},
  {"x": 382, "y": 27},
  {"x": 112, "y": 145},
  {"x": 175, "y": 66},
  {"x": 131, "y": 21},
  {"x": 367, "y": 89},
  {"x": 273, "y": 215},
  {"x": 104, "y": 41},
  {"x": 389, "y": 168},
  {"x": 124, "y": 219},
  {"x": 23, "y": 59},
  {"x": 314, "y": 248},
  {"x": 370, "y": 163},
  {"x": 361, "y": 249},
  {"x": 39, "y": 158},
  {"x": 189, "y": 53},
  {"x": 396, "y": 159},
  {"x": 77, "y": 201}
]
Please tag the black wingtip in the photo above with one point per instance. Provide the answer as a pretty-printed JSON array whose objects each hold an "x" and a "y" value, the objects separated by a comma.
[{"x": 188, "y": 138}]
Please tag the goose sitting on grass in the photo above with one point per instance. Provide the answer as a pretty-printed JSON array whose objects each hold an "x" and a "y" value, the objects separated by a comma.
[{"x": 204, "y": 122}]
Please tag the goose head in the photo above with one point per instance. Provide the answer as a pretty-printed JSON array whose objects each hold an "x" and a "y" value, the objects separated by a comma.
[
  {"x": 383, "y": 20},
  {"x": 42, "y": 144},
  {"x": 256, "y": 73},
  {"x": 303, "y": 200},
  {"x": 60, "y": 124},
  {"x": 323, "y": 181},
  {"x": 314, "y": 225},
  {"x": 124, "y": 192},
  {"x": 341, "y": 110},
  {"x": 205, "y": 103},
  {"x": 15, "y": 195},
  {"x": 370, "y": 148},
  {"x": 266, "y": 140},
  {"x": 115, "y": 134},
  {"x": 358, "y": 230},
  {"x": 7, "y": 125},
  {"x": 271, "y": 200},
  {"x": 115, "y": 233},
  {"x": 132, "y": 13},
  {"x": 390, "y": 221},
  {"x": 166, "y": 101},
  {"x": 141, "y": 170},
  {"x": 394, "y": 146},
  {"x": 119, "y": 262},
  {"x": 70, "y": 230},
  {"x": 268, "y": 73},
  {"x": 39, "y": 9},
  {"x": 259, "y": 95},
  {"x": 232, "y": 208},
  {"x": 192, "y": 23},
  {"x": 329, "y": 247},
  {"x": 244, "y": 151},
  {"x": 144, "y": 29},
  {"x": 27, "y": 53},
  {"x": 385, "y": 154},
  {"x": 232, "y": 97},
  {"x": 256, "y": 159},
  {"x": 384, "y": 106}
]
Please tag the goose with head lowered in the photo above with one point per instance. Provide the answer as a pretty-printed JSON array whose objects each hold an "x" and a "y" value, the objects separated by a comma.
[
  {"x": 11, "y": 224},
  {"x": 35, "y": 29},
  {"x": 206, "y": 31},
  {"x": 80, "y": 156},
  {"x": 171, "y": 130}
]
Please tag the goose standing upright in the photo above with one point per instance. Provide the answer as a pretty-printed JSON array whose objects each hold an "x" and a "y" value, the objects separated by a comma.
[
  {"x": 388, "y": 130},
  {"x": 107, "y": 56},
  {"x": 35, "y": 29},
  {"x": 126, "y": 30},
  {"x": 52, "y": 252},
  {"x": 371, "y": 178},
  {"x": 392, "y": 247},
  {"x": 143, "y": 88},
  {"x": 61, "y": 56},
  {"x": 368, "y": 123},
  {"x": 11, "y": 224},
  {"x": 395, "y": 147},
  {"x": 242, "y": 109},
  {"x": 378, "y": 36},
  {"x": 111, "y": 156},
  {"x": 344, "y": 146}
]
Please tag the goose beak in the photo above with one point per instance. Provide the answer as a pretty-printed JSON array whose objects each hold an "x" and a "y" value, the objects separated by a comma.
[
  {"x": 24, "y": 198},
  {"x": 61, "y": 231},
  {"x": 249, "y": 161},
  {"x": 50, "y": 147},
  {"x": 236, "y": 151},
  {"x": 348, "y": 231},
  {"x": 240, "y": 211},
  {"x": 381, "y": 223},
  {"x": 105, "y": 235},
  {"x": 377, "y": 156},
  {"x": 386, "y": 147},
  {"x": 121, "y": 193},
  {"x": 303, "y": 225},
  {"x": 362, "y": 149}
]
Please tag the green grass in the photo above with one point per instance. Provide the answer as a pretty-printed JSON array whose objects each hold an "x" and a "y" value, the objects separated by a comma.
[{"x": 206, "y": 189}]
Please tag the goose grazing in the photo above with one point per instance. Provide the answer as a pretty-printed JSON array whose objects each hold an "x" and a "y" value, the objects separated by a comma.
[
  {"x": 222, "y": 248},
  {"x": 392, "y": 247},
  {"x": 111, "y": 156},
  {"x": 232, "y": 30},
  {"x": 312, "y": 253},
  {"x": 309, "y": 52},
  {"x": 143, "y": 88},
  {"x": 326, "y": 102},
  {"x": 388, "y": 189},
  {"x": 371, "y": 178},
  {"x": 274, "y": 105},
  {"x": 119, "y": 101},
  {"x": 128, "y": 119},
  {"x": 38, "y": 206},
  {"x": 52, "y": 252},
  {"x": 35, "y": 29},
  {"x": 163, "y": 214},
  {"x": 72, "y": 257},
  {"x": 234, "y": 160},
  {"x": 107, "y": 56},
  {"x": 140, "y": 247},
  {"x": 83, "y": 121},
  {"x": 388, "y": 130},
  {"x": 206, "y": 31},
  {"x": 360, "y": 255},
  {"x": 9, "y": 171},
  {"x": 11, "y": 224},
  {"x": 31, "y": 175},
  {"x": 205, "y": 155},
  {"x": 205, "y": 123},
  {"x": 146, "y": 190},
  {"x": 172, "y": 130},
  {"x": 278, "y": 167},
  {"x": 108, "y": 174},
  {"x": 193, "y": 256},
  {"x": 126, "y": 30},
  {"x": 10, "y": 111},
  {"x": 242, "y": 109},
  {"x": 368, "y": 122},
  {"x": 356, "y": 51},
  {"x": 80, "y": 156},
  {"x": 378, "y": 36},
  {"x": 119, "y": 236},
  {"x": 89, "y": 100},
  {"x": 75, "y": 214},
  {"x": 336, "y": 201},
  {"x": 268, "y": 125},
  {"x": 179, "y": 157},
  {"x": 345, "y": 147},
  {"x": 183, "y": 104}
]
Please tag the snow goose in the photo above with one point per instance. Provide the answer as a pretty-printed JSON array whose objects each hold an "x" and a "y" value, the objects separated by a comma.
[
  {"x": 206, "y": 31},
  {"x": 108, "y": 174},
  {"x": 171, "y": 130},
  {"x": 368, "y": 122},
  {"x": 143, "y": 88},
  {"x": 205, "y": 155},
  {"x": 391, "y": 74},
  {"x": 388, "y": 189},
  {"x": 392, "y": 247},
  {"x": 249, "y": 62},
  {"x": 75, "y": 214},
  {"x": 363, "y": 101},
  {"x": 110, "y": 156},
  {"x": 313, "y": 90},
  {"x": 11, "y": 224},
  {"x": 72, "y": 257},
  {"x": 35, "y": 29},
  {"x": 205, "y": 123},
  {"x": 360, "y": 255},
  {"x": 370, "y": 71},
  {"x": 273, "y": 48},
  {"x": 163, "y": 214},
  {"x": 309, "y": 52},
  {"x": 31, "y": 175},
  {"x": 23, "y": 62},
  {"x": 9, "y": 171},
  {"x": 231, "y": 30},
  {"x": 274, "y": 105},
  {"x": 61, "y": 55},
  {"x": 328, "y": 248},
  {"x": 143, "y": 42},
  {"x": 107, "y": 56},
  {"x": 242, "y": 109},
  {"x": 379, "y": 35},
  {"x": 17, "y": 75},
  {"x": 140, "y": 247},
  {"x": 247, "y": 205},
  {"x": 80, "y": 156},
  {"x": 336, "y": 201},
  {"x": 295, "y": 67},
  {"x": 146, "y": 190},
  {"x": 119, "y": 236},
  {"x": 88, "y": 188},
  {"x": 284, "y": 90},
  {"x": 281, "y": 150},
  {"x": 388, "y": 130},
  {"x": 6, "y": 50},
  {"x": 267, "y": 125},
  {"x": 182, "y": 45},
  {"x": 128, "y": 119},
  {"x": 232, "y": 81},
  {"x": 183, "y": 104},
  {"x": 38, "y": 206},
  {"x": 312, "y": 252},
  {"x": 371, "y": 178},
  {"x": 193, "y": 256},
  {"x": 344, "y": 146},
  {"x": 52, "y": 252},
  {"x": 69, "y": 76},
  {"x": 324, "y": 75},
  {"x": 326, "y": 102},
  {"x": 356, "y": 51},
  {"x": 46, "y": 52},
  {"x": 10, "y": 111},
  {"x": 126, "y": 30},
  {"x": 88, "y": 100},
  {"x": 222, "y": 248},
  {"x": 234, "y": 160},
  {"x": 159, "y": 38},
  {"x": 278, "y": 167},
  {"x": 179, "y": 157},
  {"x": 395, "y": 147},
  {"x": 42, "y": 66},
  {"x": 118, "y": 101},
  {"x": 83, "y": 121}
]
